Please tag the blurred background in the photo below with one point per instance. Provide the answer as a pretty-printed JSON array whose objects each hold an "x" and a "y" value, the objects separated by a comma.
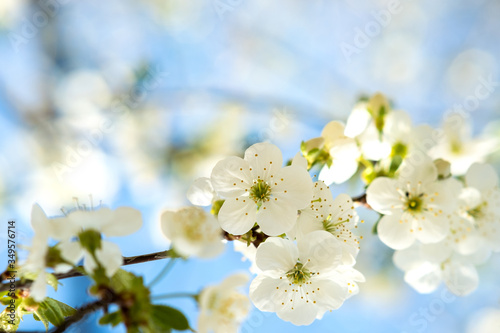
[{"x": 129, "y": 101}]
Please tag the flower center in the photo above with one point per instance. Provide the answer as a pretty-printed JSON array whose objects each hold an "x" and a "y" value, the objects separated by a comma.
[
  {"x": 332, "y": 226},
  {"x": 298, "y": 274},
  {"x": 414, "y": 204},
  {"x": 478, "y": 212},
  {"x": 260, "y": 191},
  {"x": 399, "y": 149}
]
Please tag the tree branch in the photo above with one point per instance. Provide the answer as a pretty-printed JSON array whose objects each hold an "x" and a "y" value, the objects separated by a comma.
[{"x": 75, "y": 272}]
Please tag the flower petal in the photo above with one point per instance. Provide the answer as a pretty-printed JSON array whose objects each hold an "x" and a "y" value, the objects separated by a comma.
[
  {"x": 481, "y": 176},
  {"x": 71, "y": 251},
  {"x": 264, "y": 294},
  {"x": 358, "y": 120},
  {"x": 38, "y": 289},
  {"x": 320, "y": 250},
  {"x": 231, "y": 176},
  {"x": 276, "y": 217},
  {"x": 299, "y": 160},
  {"x": 265, "y": 159},
  {"x": 460, "y": 279},
  {"x": 110, "y": 257},
  {"x": 277, "y": 254},
  {"x": 394, "y": 232},
  {"x": 125, "y": 221},
  {"x": 237, "y": 215},
  {"x": 382, "y": 195},
  {"x": 432, "y": 229},
  {"x": 425, "y": 278},
  {"x": 201, "y": 192},
  {"x": 416, "y": 168},
  {"x": 297, "y": 183}
]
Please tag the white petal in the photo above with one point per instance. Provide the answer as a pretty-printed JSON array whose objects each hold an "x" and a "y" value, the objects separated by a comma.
[
  {"x": 38, "y": 289},
  {"x": 420, "y": 138},
  {"x": 62, "y": 229},
  {"x": 125, "y": 221},
  {"x": 320, "y": 250},
  {"x": 482, "y": 177},
  {"x": 470, "y": 198},
  {"x": 276, "y": 217},
  {"x": 394, "y": 232},
  {"x": 201, "y": 192},
  {"x": 71, "y": 251},
  {"x": 432, "y": 229},
  {"x": 297, "y": 183},
  {"x": 302, "y": 314},
  {"x": 358, "y": 120},
  {"x": 39, "y": 220},
  {"x": 418, "y": 168},
  {"x": 408, "y": 259},
  {"x": 435, "y": 253},
  {"x": 397, "y": 126},
  {"x": 234, "y": 281},
  {"x": 89, "y": 263},
  {"x": 265, "y": 159},
  {"x": 110, "y": 257},
  {"x": 425, "y": 278},
  {"x": 460, "y": 279},
  {"x": 91, "y": 219},
  {"x": 330, "y": 294},
  {"x": 299, "y": 160},
  {"x": 264, "y": 294},
  {"x": 237, "y": 215},
  {"x": 231, "y": 176},
  {"x": 340, "y": 171},
  {"x": 382, "y": 195},
  {"x": 332, "y": 132},
  {"x": 276, "y": 254}
]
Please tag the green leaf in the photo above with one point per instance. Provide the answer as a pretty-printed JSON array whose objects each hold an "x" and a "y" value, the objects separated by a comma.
[
  {"x": 44, "y": 320},
  {"x": 166, "y": 317},
  {"x": 54, "y": 311},
  {"x": 113, "y": 318}
]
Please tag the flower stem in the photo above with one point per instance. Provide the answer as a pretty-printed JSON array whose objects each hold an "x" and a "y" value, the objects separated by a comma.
[
  {"x": 174, "y": 295},
  {"x": 168, "y": 267}
]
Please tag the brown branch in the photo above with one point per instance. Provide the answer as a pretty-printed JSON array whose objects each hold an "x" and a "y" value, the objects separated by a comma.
[
  {"x": 85, "y": 310},
  {"x": 361, "y": 200},
  {"x": 77, "y": 272}
]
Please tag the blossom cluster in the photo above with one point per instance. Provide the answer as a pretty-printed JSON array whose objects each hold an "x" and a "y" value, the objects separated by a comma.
[
  {"x": 304, "y": 265},
  {"x": 439, "y": 206}
]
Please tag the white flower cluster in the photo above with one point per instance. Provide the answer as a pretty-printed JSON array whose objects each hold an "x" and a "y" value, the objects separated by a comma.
[
  {"x": 305, "y": 265},
  {"x": 79, "y": 236},
  {"x": 441, "y": 227}
]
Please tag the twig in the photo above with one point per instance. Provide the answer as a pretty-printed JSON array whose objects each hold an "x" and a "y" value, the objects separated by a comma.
[{"x": 75, "y": 272}]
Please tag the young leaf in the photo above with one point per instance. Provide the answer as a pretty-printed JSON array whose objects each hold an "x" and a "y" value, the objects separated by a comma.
[
  {"x": 54, "y": 311},
  {"x": 44, "y": 320},
  {"x": 113, "y": 318},
  {"x": 167, "y": 316}
]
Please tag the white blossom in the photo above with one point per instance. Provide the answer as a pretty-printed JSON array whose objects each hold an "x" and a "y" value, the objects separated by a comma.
[
  {"x": 342, "y": 162},
  {"x": 338, "y": 217},
  {"x": 36, "y": 263},
  {"x": 483, "y": 205},
  {"x": 457, "y": 146},
  {"x": 299, "y": 281},
  {"x": 259, "y": 190},
  {"x": 222, "y": 307},
  {"x": 415, "y": 205},
  {"x": 112, "y": 223},
  {"x": 193, "y": 232}
]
